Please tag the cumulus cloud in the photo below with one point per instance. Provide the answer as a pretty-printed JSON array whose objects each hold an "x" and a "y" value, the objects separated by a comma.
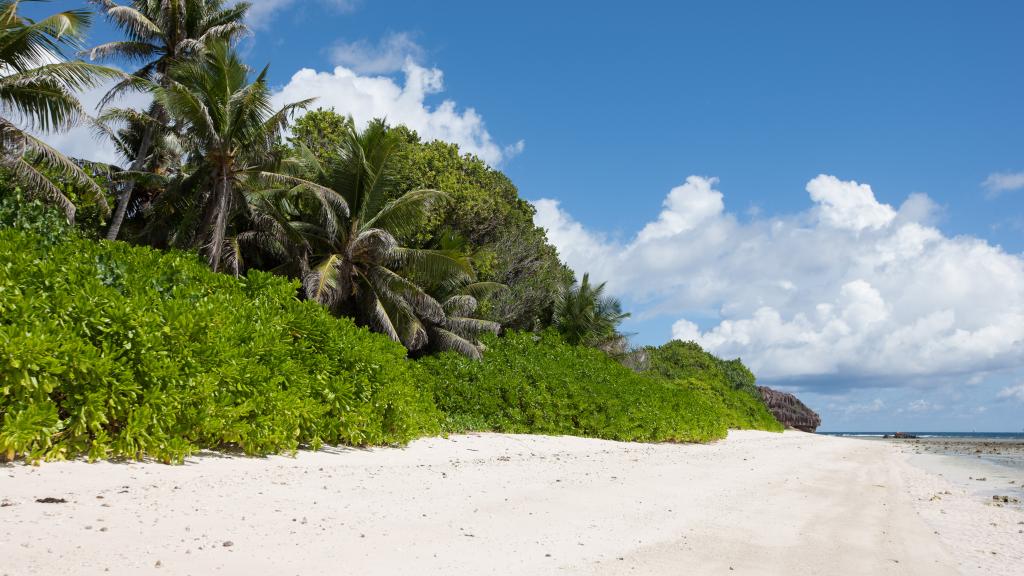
[
  {"x": 1000, "y": 182},
  {"x": 262, "y": 11},
  {"x": 368, "y": 97},
  {"x": 851, "y": 287},
  {"x": 848, "y": 205},
  {"x": 1013, "y": 393},
  {"x": 388, "y": 55}
]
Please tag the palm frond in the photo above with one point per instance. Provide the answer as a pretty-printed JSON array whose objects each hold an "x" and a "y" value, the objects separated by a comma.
[
  {"x": 424, "y": 305},
  {"x": 136, "y": 25},
  {"x": 404, "y": 214},
  {"x": 460, "y": 305},
  {"x": 48, "y": 156},
  {"x": 124, "y": 50},
  {"x": 444, "y": 341},
  {"x": 471, "y": 327},
  {"x": 376, "y": 316},
  {"x": 434, "y": 267},
  {"x": 39, "y": 184},
  {"x": 327, "y": 282}
]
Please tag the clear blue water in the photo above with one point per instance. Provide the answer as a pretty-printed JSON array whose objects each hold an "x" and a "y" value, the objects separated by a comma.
[{"x": 964, "y": 435}]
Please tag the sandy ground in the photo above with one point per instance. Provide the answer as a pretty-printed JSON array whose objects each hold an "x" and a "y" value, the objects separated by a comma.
[{"x": 757, "y": 503}]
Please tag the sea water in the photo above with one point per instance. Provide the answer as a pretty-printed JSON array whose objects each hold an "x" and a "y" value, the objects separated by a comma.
[{"x": 957, "y": 435}]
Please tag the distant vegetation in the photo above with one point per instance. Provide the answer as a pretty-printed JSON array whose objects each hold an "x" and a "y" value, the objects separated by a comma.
[
  {"x": 286, "y": 280},
  {"x": 729, "y": 380},
  {"x": 540, "y": 384}
]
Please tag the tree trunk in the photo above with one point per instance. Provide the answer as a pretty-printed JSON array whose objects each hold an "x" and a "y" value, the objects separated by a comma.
[
  {"x": 218, "y": 227},
  {"x": 125, "y": 197}
]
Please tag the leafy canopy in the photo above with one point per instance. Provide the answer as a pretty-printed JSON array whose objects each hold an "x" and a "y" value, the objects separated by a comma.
[{"x": 229, "y": 130}]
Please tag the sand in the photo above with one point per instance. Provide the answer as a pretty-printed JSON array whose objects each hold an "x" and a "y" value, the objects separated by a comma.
[{"x": 757, "y": 503}]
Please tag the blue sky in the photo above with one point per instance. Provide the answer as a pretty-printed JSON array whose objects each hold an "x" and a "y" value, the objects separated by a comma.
[{"x": 599, "y": 110}]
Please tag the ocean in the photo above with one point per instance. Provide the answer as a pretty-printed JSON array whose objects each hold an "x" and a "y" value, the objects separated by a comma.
[
  {"x": 958, "y": 435},
  {"x": 1004, "y": 449}
]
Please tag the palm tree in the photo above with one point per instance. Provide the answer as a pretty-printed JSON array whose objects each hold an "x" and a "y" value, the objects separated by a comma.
[
  {"x": 161, "y": 164},
  {"x": 459, "y": 331},
  {"x": 350, "y": 255},
  {"x": 460, "y": 296},
  {"x": 229, "y": 131},
  {"x": 37, "y": 87},
  {"x": 159, "y": 34},
  {"x": 584, "y": 315}
]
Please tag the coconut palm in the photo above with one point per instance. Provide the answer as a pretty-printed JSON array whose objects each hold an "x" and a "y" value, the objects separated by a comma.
[
  {"x": 351, "y": 258},
  {"x": 161, "y": 164},
  {"x": 37, "y": 90},
  {"x": 228, "y": 130},
  {"x": 460, "y": 331},
  {"x": 584, "y": 315},
  {"x": 160, "y": 33}
]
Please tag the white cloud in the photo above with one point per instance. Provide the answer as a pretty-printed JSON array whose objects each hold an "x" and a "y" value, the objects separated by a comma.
[
  {"x": 1000, "y": 182},
  {"x": 82, "y": 142},
  {"x": 368, "y": 97},
  {"x": 1013, "y": 392},
  {"x": 922, "y": 405},
  {"x": 851, "y": 287},
  {"x": 848, "y": 205},
  {"x": 685, "y": 208},
  {"x": 262, "y": 11},
  {"x": 388, "y": 55}
]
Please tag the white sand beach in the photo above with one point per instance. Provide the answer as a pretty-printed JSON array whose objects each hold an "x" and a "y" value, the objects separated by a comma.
[{"x": 757, "y": 503}]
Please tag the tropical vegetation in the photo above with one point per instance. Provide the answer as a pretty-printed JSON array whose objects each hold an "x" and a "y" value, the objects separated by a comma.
[
  {"x": 38, "y": 91},
  {"x": 113, "y": 350},
  {"x": 540, "y": 384},
  {"x": 287, "y": 277},
  {"x": 158, "y": 35}
]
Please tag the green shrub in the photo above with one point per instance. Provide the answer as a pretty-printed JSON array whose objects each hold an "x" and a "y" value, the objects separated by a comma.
[
  {"x": 729, "y": 380},
  {"x": 119, "y": 351},
  {"x": 19, "y": 211},
  {"x": 541, "y": 385}
]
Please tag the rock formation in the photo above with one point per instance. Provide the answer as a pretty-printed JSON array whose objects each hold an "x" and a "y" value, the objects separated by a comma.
[{"x": 789, "y": 410}]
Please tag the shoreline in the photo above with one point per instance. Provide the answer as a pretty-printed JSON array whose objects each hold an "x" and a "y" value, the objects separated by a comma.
[{"x": 756, "y": 503}]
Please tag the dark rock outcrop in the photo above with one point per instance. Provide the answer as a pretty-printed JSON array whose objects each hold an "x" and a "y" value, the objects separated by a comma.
[{"x": 789, "y": 410}]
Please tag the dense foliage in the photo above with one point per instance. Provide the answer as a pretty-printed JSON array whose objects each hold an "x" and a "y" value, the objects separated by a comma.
[
  {"x": 480, "y": 206},
  {"x": 158, "y": 35},
  {"x": 345, "y": 234},
  {"x": 730, "y": 380},
  {"x": 540, "y": 384},
  {"x": 120, "y": 351}
]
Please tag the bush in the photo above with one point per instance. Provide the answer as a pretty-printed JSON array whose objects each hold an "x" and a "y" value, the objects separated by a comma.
[
  {"x": 541, "y": 385},
  {"x": 729, "y": 380},
  {"x": 119, "y": 351},
  {"x": 34, "y": 215}
]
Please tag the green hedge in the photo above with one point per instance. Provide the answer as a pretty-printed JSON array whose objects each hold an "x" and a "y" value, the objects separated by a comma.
[
  {"x": 539, "y": 384},
  {"x": 118, "y": 351},
  {"x": 729, "y": 380},
  {"x": 112, "y": 350}
]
